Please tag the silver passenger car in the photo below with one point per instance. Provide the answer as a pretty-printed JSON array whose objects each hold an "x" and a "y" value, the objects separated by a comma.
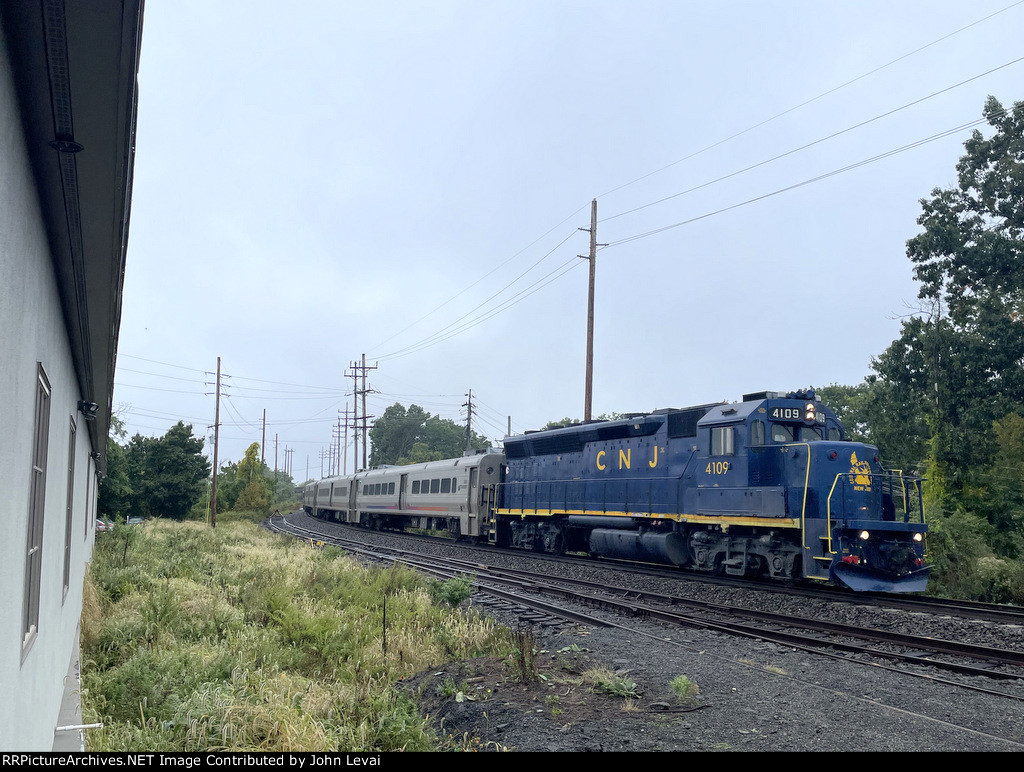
[{"x": 453, "y": 495}]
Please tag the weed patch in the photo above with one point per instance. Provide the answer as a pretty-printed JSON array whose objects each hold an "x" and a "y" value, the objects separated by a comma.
[{"x": 234, "y": 638}]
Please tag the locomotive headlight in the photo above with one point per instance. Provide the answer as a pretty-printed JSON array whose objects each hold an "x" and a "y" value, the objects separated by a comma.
[
  {"x": 864, "y": 535},
  {"x": 918, "y": 537}
]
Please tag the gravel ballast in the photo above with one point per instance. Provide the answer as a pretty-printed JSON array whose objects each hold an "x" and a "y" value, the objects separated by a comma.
[{"x": 753, "y": 695}]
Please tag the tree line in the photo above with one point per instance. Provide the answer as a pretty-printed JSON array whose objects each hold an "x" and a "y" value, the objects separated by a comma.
[
  {"x": 946, "y": 398},
  {"x": 169, "y": 476}
]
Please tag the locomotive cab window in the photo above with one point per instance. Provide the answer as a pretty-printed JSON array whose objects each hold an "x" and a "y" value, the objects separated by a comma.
[
  {"x": 756, "y": 434},
  {"x": 782, "y": 433},
  {"x": 722, "y": 441},
  {"x": 809, "y": 434}
]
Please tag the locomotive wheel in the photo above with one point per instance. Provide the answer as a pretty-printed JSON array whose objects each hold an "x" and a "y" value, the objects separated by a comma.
[{"x": 552, "y": 538}]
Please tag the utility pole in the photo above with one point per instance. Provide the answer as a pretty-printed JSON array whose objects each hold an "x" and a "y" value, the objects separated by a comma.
[
  {"x": 355, "y": 415},
  {"x": 365, "y": 416},
  {"x": 344, "y": 443},
  {"x": 589, "y": 391},
  {"x": 337, "y": 449},
  {"x": 275, "y": 458},
  {"x": 468, "y": 404},
  {"x": 359, "y": 371},
  {"x": 263, "y": 442},
  {"x": 216, "y": 442}
]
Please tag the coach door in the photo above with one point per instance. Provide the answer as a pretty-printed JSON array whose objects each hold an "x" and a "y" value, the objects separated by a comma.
[
  {"x": 474, "y": 483},
  {"x": 402, "y": 483},
  {"x": 353, "y": 516}
]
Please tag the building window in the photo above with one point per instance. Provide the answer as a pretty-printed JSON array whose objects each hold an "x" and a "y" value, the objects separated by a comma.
[
  {"x": 36, "y": 508},
  {"x": 69, "y": 509},
  {"x": 88, "y": 498}
]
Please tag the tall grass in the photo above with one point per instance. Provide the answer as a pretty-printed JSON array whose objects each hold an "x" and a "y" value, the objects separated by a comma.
[{"x": 234, "y": 638}]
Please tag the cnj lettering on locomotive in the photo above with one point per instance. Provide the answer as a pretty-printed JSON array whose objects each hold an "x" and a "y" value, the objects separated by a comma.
[{"x": 625, "y": 460}]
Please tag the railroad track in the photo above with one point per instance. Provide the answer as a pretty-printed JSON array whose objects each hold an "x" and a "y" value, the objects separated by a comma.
[
  {"x": 531, "y": 592},
  {"x": 502, "y": 592}
]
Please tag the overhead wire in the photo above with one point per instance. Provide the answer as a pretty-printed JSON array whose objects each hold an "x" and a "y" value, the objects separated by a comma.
[
  {"x": 444, "y": 333},
  {"x": 426, "y": 342},
  {"x": 818, "y": 141},
  {"x": 813, "y": 99},
  {"x": 786, "y": 189}
]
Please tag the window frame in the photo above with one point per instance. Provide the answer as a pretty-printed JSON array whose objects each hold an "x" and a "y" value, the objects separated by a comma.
[
  {"x": 723, "y": 441},
  {"x": 36, "y": 511},
  {"x": 69, "y": 511}
]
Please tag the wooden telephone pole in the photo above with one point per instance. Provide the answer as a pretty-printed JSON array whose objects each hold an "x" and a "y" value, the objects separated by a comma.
[
  {"x": 216, "y": 442},
  {"x": 589, "y": 391}
]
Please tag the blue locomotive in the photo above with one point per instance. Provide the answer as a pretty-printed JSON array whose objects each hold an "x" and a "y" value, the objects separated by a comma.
[{"x": 764, "y": 487}]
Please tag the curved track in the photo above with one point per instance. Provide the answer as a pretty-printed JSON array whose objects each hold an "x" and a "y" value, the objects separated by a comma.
[{"x": 529, "y": 589}]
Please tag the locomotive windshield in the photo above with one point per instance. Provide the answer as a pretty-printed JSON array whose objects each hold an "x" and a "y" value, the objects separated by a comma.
[{"x": 783, "y": 433}]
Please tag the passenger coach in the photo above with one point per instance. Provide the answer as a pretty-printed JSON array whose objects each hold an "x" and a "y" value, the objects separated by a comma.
[{"x": 453, "y": 495}]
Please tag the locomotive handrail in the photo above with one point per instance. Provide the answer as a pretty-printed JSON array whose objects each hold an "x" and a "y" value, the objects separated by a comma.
[
  {"x": 807, "y": 482},
  {"x": 884, "y": 479}
]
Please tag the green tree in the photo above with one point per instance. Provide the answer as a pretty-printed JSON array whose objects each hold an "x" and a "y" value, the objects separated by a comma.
[
  {"x": 407, "y": 436},
  {"x": 562, "y": 423},
  {"x": 970, "y": 262},
  {"x": 881, "y": 413},
  {"x": 257, "y": 489},
  {"x": 959, "y": 362},
  {"x": 115, "y": 496},
  {"x": 176, "y": 471},
  {"x": 395, "y": 432}
]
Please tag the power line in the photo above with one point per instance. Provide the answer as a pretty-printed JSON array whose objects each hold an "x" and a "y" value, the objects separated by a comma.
[
  {"x": 809, "y": 101},
  {"x": 427, "y": 340},
  {"x": 445, "y": 334},
  {"x": 801, "y": 184},
  {"x": 815, "y": 142}
]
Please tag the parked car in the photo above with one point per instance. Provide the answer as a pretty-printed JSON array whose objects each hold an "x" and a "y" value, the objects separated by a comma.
[
  {"x": 103, "y": 526},
  {"x": 135, "y": 520}
]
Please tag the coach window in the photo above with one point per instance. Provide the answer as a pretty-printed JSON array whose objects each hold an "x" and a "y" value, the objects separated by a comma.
[
  {"x": 415, "y": 486},
  {"x": 391, "y": 489},
  {"x": 446, "y": 485},
  {"x": 722, "y": 441},
  {"x": 435, "y": 485},
  {"x": 756, "y": 434}
]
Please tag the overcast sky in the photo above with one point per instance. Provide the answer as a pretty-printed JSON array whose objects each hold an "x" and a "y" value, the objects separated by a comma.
[{"x": 319, "y": 180}]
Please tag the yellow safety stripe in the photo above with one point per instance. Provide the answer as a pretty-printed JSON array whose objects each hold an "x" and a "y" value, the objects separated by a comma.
[{"x": 776, "y": 522}]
